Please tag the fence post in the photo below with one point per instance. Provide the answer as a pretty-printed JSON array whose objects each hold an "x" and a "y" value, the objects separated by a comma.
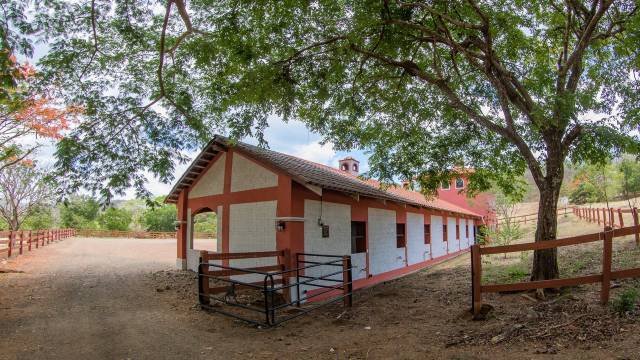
[
  {"x": 29, "y": 241},
  {"x": 21, "y": 240},
  {"x": 598, "y": 215},
  {"x": 476, "y": 274},
  {"x": 10, "y": 244},
  {"x": 620, "y": 218},
  {"x": 607, "y": 248},
  {"x": 203, "y": 282},
  {"x": 347, "y": 286},
  {"x": 634, "y": 214}
]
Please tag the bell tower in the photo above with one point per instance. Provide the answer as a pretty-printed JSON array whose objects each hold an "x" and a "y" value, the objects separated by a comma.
[{"x": 350, "y": 165}]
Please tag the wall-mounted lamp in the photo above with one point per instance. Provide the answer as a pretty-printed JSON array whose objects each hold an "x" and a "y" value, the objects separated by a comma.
[{"x": 280, "y": 226}]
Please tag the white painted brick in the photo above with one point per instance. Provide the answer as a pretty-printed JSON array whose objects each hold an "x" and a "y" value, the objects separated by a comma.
[
  {"x": 437, "y": 242},
  {"x": 417, "y": 251},
  {"x": 211, "y": 182},
  {"x": 383, "y": 254},
  {"x": 247, "y": 175}
]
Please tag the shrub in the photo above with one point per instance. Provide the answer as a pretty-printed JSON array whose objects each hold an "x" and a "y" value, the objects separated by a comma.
[{"x": 626, "y": 301}]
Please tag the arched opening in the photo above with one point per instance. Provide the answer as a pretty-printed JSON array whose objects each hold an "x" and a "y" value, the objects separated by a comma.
[{"x": 204, "y": 230}]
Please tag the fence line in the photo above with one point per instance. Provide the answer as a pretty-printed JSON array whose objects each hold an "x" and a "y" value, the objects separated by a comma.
[
  {"x": 533, "y": 217},
  {"x": 604, "y": 278},
  {"x": 141, "y": 234},
  {"x": 608, "y": 217},
  {"x": 18, "y": 241}
]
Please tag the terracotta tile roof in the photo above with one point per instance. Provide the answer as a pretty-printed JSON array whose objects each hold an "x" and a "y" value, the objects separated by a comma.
[{"x": 311, "y": 173}]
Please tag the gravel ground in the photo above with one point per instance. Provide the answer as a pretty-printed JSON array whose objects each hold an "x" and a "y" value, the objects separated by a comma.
[{"x": 120, "y": 298}]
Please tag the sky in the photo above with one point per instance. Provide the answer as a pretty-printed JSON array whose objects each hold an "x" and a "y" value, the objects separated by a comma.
[{"x": 292, "y": 138}]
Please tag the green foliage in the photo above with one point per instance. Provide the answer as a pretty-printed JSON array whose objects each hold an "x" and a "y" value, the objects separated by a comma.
[
  {"x": 80, "y": 212},
  {"x": 39, "y": 218},
  {"x": 115, "y": 219},
  {"x": 626, "y": 301},
  {"x": 161, "y": 218},
  {"x": 205, "y": 222},
  {"x": 596, "y": 183},
  {"x": 630, "y": 169},
  {"x": 404, "y": 81}
]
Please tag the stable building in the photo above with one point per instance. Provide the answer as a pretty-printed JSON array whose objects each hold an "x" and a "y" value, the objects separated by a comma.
[{"x": 265, "y": 200}]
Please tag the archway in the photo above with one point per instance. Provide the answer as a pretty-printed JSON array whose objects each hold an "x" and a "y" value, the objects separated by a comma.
[{"x": 204, "y": 230}]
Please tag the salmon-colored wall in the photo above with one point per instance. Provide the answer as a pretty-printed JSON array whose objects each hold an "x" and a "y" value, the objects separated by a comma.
[{"x": 480, "y": 204}]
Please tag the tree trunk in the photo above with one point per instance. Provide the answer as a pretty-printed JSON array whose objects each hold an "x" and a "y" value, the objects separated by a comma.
[{"x": 545, "y": 262}]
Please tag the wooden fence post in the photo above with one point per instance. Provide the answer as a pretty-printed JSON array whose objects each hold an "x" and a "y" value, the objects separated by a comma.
[
  {"x": 607, "y": 248},
  {"x": 203, "y": 280},
  {"x": 476, "y": 275},
  {"x": 347, "y": 288},
  {"x": 598, "y": 215},
  {"x": 10, "y": 244},
  {"x": 634, "y": 214},
  {"x": 21, "y": 240},
  {"x": 29, "y": 240},
  {"x": 620, "y": 218}
]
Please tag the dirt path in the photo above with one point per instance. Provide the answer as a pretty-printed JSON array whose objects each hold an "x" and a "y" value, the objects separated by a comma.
[{"x": 119, "y": 299}]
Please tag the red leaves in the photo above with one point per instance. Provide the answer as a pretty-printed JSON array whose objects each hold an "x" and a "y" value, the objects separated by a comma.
[{"x": 47, "y": 119}]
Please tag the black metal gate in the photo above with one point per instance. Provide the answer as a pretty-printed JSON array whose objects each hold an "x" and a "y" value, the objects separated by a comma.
[{"x": 267, "y": 300}]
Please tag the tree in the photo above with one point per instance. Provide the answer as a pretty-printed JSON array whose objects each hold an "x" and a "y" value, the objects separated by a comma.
[
  {"x": 508, "y": 230},
  {"x": 80, "y": 212},
  {"x": 23, "y": 189},
  {"x": 115, "y": 219},
  {"x": 630, "y": 170},
  {"x": 160, "y": 218},
  {"x": 40, "y": 218},
  {"x": 23, "y": 111},
  {"x": 424, "y": 85}
]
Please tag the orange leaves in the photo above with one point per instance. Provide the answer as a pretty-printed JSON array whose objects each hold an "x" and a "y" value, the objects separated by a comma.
[{"x": 45, "y": 118}]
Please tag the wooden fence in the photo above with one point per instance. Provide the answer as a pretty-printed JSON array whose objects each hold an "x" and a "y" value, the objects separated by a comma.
[
  {"x": 25, "y": 240},
  {"x": 141, "y": 234},
  {"x": 604, "y": 278},
  {"x": 533, "y": 217},
  {"x": 608, "y": 216}
]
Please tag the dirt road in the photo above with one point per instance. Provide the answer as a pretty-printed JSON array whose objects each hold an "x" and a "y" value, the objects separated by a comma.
[{"x": 119, "y": 299}]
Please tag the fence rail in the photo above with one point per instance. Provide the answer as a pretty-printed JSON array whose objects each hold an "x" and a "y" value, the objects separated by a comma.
[
  {"x": 141, "y": 234},
  {"x": 607, "y": 217},
  {"x": 275, "y": 281},
  {"x": 532, "y": 217},
  {"x": 604, "y": 278},
  {"x": 25, "y": 240}
]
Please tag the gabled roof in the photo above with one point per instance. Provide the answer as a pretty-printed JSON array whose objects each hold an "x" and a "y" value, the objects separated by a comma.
[{"x": 307, "y": 172}]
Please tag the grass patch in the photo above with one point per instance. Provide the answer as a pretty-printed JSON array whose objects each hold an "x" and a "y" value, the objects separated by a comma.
[{"x": 626, "y": 301}]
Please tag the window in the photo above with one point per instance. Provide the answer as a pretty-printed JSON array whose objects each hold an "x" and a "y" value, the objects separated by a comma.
[
  {"x": 355, "y": 167},
  {"x": 345, "y": 167},
  {"x": 458, "y": 231},
  {"x": 445, "y": 185},
  {"x": 459, "y": 183},
  {"x": 444, "y": 232},
  {"x": 401, "y": 240},
  {"x": 358, "y": 237},
  {"x": 466, "y": 231},
  {"x": 427, "y": 234}
]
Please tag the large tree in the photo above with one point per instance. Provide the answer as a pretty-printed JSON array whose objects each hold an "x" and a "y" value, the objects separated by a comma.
[{"x": 495, "y": 85}]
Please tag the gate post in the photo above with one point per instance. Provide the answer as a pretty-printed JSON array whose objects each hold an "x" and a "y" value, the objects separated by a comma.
[
  {"x": 203, "y": 282},
  {"x": 347, "y": 284},
  {"x": 607, "y": 248}
]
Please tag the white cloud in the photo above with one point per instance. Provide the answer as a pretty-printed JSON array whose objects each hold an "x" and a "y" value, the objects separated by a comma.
[{"x": 314, "y": 151}]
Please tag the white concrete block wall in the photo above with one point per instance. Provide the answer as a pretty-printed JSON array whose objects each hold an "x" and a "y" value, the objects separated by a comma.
[
  {"x": 417, "y": 250},
  {"x": 359, "y": 265},
  {"x": 472, "y": 230},
  {"x": 438, "y": 246},
  {"x": 451, "y": 232},
  {"x": 383, "y": 254},
  {"x": 464, "y": 240},
  {"x": 247, "y": 175},
  {"x": 338, "y": 217},
  {"x": 252, "y": 228},
  {"x": 211, "y": 182}
]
